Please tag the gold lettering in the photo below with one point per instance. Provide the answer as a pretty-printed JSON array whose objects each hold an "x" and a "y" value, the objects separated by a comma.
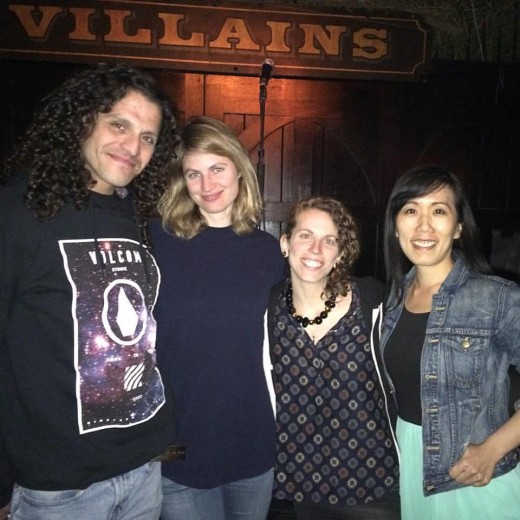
[
  {"x": 171, "y": 32},
  {"x": 33, "y": 28},
  {"x": 235, "y": 29},
  {"x": 328, "y": 37},
  {"x": 278, "y": 31},
  {"x": 82, "y": 26},
  {"x": 372, "y": 44},
  {"x": 117, "y": 28}
]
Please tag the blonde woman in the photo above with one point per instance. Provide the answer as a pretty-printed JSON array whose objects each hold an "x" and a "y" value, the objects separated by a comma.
[{"x": 217, "y": 270}]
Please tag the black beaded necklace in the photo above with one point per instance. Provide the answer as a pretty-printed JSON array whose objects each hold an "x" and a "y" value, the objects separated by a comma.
[{"x": 302, "y": 320}]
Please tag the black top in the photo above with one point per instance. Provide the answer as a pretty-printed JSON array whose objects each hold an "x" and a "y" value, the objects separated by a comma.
[
  {"x": 82, "y": 399},
  {"x": 403, "y": 363}
]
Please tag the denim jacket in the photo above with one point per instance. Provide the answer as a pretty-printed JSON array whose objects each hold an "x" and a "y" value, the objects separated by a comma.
[{"x": 472, "y": 337}]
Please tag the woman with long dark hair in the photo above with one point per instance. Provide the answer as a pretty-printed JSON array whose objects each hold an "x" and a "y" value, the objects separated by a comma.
[{"x": 450, "y": 333}]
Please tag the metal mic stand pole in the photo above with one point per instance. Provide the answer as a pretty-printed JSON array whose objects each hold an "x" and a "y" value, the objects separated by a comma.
[{"x": 261, "y": 151}]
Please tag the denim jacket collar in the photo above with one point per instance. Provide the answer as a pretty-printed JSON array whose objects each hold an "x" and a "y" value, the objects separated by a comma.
[{"x": 456, "y": 277}]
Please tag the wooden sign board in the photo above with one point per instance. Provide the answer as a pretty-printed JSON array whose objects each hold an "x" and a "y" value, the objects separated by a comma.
[{"x": 216, "y": 39}]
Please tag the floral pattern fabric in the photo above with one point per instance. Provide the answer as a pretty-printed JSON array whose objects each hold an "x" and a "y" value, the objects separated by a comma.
[{"x": 333, "y": 444}]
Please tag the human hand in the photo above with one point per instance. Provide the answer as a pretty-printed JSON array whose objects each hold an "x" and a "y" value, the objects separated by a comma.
[
  {"x": 4, "y": 511},
  {"x": 476, "y": 466}
]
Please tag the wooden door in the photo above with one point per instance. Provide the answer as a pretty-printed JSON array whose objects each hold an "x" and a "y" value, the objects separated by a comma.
[{"x": 312, "y": 147}]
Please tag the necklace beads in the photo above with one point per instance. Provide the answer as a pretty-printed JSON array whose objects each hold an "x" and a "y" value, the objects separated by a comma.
[{"x": 304, "y": 321}]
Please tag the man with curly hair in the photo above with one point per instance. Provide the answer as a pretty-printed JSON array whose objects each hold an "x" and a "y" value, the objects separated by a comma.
[{"x": 83, "y": 414}]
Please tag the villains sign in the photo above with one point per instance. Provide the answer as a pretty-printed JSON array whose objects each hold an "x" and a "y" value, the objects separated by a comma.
[{"x": 218, "y": 39}]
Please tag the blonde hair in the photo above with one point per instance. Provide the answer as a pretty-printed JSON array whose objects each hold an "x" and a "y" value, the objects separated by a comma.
[{"x": 180, "y": 214}]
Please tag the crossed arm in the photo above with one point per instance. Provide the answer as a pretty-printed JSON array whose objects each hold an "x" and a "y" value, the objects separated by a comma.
[{"x": 477, "y": 464}]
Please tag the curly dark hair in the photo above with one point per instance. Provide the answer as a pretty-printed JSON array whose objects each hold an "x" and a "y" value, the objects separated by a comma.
[
  {"x": 50, "y": 151},
  {"x": 338, "y": 281}
]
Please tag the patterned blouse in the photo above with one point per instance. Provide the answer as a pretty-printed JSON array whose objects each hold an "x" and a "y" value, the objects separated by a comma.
[{"x": 333, "y": 444}]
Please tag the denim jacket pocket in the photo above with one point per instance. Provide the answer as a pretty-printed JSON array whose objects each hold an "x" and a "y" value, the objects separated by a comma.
[{"x": 465, "y": 358}]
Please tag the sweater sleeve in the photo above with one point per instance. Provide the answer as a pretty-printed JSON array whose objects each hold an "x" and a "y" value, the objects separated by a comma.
[{"x": 6, "y": 484}]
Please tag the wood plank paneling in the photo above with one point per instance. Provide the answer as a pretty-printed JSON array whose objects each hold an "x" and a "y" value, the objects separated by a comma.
[{"x": 349, "y": 139}]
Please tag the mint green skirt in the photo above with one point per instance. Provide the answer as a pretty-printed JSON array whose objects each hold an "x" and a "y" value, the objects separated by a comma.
[{"x": 499, "y": 500}]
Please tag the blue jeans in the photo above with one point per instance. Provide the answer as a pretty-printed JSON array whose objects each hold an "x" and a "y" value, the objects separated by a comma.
[
  {"x": 246, "y": 499},
  {"x": 135, "y": 495}
]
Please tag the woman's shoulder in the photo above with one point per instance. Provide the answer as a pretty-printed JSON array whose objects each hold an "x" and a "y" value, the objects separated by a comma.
[
  {"x": 370, "y": 288},
  {"x": 162, "y": 240},
  {"x": 264, "y": 236},
  {"x": 263, "y": 242},
  {"x": 491, "y": 280},
  {"x": 277, "y": 291},
  {"x": 485, "y": 291},
  {"x": 155, "y": 224}
]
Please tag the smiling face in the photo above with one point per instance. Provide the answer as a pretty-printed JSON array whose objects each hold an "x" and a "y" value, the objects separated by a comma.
[
  {"x": 426, "y": 228},
  {"x": 122, "y": 142},
  {"x": 213, "y": 184},
  {"x": 312, "y": 248}
]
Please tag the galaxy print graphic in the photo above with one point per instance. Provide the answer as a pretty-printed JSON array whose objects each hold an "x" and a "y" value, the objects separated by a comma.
[{"x": 114, "y": 291}]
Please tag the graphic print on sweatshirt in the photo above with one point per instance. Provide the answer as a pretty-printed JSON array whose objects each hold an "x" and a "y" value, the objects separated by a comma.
[{"x": 117, "y": 381}]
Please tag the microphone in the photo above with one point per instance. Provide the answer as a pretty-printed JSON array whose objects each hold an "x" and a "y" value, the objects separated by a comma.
[{"x": 267, "y": 69}]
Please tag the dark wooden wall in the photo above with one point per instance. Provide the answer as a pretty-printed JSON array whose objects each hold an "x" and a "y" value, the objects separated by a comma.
[{"x": 349, "y": 139}]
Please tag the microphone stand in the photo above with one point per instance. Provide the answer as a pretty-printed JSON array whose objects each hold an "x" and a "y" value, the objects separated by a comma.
[{"x": 261, "y": 151}]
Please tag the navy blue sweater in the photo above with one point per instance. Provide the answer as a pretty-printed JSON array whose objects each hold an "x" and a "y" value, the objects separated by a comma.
[{"x": 213, "y": 297}]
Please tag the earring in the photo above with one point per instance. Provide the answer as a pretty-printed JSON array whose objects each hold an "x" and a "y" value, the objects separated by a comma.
[
  {"x": 284, "y": 254},
  {"x": 459, "y": 225}
]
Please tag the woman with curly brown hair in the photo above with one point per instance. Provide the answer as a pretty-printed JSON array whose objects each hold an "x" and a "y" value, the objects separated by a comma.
[
  {"x": 335, "y": 456},
  {"x": 83, "y": 410}
]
